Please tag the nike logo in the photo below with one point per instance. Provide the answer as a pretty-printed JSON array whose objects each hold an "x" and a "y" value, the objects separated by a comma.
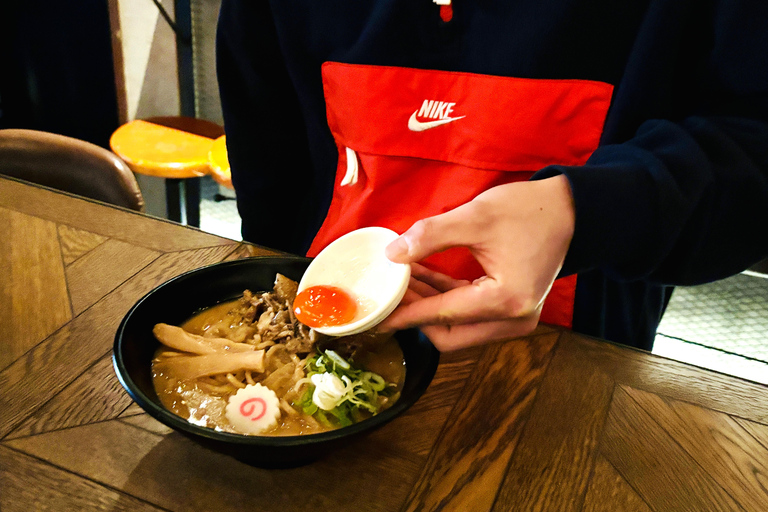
[
  {"x": 431, "y": 109},
  {"x": 419, "y": 126}
]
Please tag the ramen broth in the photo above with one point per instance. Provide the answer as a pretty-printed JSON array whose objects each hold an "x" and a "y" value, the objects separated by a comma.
[{"x": 202, "y": 401}]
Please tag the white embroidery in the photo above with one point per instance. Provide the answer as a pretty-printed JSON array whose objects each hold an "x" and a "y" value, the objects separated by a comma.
[
  {"x": 350, "y": 178},
  {"x": 432, "y": 109}
]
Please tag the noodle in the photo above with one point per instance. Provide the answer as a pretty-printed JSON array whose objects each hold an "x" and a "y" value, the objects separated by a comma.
[
  {"x": 213, "y": 387},
  {"x": 235, "y": 382},
  {"x": 285, "y": 406},
  {"x": 255, "y": 340}
]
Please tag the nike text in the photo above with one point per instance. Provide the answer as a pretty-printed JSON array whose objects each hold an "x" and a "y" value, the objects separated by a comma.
[
  {"x": 432, "y": 109},
  {"x": 436, "y": 109}
]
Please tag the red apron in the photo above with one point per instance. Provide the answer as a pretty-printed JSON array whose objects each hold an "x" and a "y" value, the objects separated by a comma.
[{"x": 416, "y": 143}]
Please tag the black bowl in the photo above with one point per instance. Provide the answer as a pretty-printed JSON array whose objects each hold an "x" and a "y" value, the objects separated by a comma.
[{"x": 179, "y": 298}]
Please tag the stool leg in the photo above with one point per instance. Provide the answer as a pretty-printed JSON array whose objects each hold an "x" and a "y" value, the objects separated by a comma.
[
  {"x": 173, "y": 199},
  {"x": 192, "y": 200}
]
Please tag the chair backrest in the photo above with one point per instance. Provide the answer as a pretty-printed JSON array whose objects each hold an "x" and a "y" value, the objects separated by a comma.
[{"x": 68, "y": 164}]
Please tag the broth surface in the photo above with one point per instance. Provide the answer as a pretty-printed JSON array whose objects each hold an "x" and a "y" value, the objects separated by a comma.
[{"x": 202, "y": 401}]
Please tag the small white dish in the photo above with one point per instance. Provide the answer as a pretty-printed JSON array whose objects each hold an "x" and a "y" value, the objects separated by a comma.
[{"x": 356, "y": 263}]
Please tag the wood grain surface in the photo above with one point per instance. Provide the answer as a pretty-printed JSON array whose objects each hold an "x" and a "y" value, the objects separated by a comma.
[
  {"x": 553, "y": 421},
  {"x": 32, "y": 284}
]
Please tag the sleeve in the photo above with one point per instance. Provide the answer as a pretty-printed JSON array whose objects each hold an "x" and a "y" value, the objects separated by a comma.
[
  {"x": 266, "y": 135},
  {"x": 684, "y": 200}
]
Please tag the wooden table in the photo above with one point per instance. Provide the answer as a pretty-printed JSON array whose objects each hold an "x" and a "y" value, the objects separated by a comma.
[{"x": 554, "y": 421}]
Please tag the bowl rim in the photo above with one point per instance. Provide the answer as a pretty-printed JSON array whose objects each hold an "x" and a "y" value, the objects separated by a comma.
[{"x": 175, "y": 422}]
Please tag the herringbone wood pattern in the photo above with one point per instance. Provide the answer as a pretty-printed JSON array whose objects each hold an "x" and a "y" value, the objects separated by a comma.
[{"x": 553, "y": 421}]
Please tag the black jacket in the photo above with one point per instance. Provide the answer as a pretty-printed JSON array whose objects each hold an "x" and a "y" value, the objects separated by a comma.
[{"x": 677, "y": 192}]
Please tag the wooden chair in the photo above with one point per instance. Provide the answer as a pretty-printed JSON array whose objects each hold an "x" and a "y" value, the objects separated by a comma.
[{"x": 70, "y": 165}]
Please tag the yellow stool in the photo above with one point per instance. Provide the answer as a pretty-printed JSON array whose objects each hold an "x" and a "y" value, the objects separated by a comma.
[
  {"x": 175, "y": 148},
  {"x": 218, "y": 162}
]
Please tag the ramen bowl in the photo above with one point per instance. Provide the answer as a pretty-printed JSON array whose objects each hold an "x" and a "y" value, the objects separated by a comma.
[{"x": 178, "y": 299}]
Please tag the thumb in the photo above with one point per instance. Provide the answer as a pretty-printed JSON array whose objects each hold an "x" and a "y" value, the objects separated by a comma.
[{"x": 432, "y": 235}]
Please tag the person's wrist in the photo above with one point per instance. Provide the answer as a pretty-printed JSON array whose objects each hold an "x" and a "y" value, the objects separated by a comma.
[{"x": 562, "y": 210}]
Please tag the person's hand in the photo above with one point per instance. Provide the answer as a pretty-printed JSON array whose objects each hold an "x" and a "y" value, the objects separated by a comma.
[{"x": 519, "y": 233}]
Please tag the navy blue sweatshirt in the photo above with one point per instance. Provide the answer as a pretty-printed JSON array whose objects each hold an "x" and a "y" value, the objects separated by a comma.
[{"x": 676, "y": 193}]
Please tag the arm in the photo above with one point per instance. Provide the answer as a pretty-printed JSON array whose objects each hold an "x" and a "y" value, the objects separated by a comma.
[
  {"x": 678, "y": 204},
  {"x": 680, "y": 200}
]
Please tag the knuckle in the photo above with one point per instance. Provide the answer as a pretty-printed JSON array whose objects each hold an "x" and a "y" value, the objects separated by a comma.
[
  {"x": 502, "y": 302},
  {"x": 484, "y": 206},
  {"x": 445, "y": 315},
  {"x": 423, "y": 228},
  {"x": 478, "y": 214},
  {"x": 418, "y": 236},
  {"x": 519, "y": 305},
  {"x": 529, "y": 324}
]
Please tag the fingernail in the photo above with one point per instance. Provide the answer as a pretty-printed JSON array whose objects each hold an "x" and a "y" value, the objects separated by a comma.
[{"x": 397, "y": 250}]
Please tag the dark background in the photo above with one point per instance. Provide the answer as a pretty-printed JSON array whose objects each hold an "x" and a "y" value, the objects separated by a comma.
[{"x": 56, "y": 71}]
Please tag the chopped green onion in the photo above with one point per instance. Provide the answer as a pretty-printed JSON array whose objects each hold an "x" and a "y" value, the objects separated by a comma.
[
  {"x": 336, "y": 358},
  {"x": 362, "y": 390},
  {"x": 376, "y": 381}
]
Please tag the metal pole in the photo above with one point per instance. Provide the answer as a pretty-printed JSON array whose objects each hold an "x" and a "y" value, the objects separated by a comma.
[{"x": 184, "y": 58}]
